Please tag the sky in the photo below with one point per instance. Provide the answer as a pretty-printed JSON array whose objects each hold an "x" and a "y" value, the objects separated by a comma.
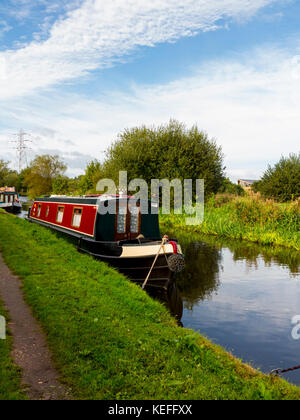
[{"x": 74, "y": 74}]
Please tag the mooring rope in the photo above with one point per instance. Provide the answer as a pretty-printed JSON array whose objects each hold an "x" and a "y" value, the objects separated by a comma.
[
  {"x": 164, "y": 240},
  {"x": 278, "y": 372}
]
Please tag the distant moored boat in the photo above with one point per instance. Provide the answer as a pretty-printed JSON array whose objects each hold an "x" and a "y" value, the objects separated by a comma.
[{"x": 9, "y": 200}]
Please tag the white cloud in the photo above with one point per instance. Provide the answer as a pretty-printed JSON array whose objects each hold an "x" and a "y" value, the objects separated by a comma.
[
  {"x": 23, "y": 9},
  {"x": 4, "y": 27},
  {"x": 251, "y": 106},
  {"x": 99, "y": 32}
]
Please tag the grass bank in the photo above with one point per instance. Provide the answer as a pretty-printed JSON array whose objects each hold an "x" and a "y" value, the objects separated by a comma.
[
  {"x": 248, "y": 218},
  {"x": 109, "y": 339},
  {"x": 10, "y": 375}
]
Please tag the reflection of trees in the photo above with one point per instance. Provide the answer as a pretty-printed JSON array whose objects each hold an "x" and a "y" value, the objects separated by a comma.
[
  {"x": 203, "y": 255},
  {"x": 200, "y": 279},
  {"x": 282, "y": 256},
  {"x": 250, "y": 252}
]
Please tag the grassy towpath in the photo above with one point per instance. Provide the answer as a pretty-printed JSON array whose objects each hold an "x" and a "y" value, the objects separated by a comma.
[{"x": 10, "y": 374}]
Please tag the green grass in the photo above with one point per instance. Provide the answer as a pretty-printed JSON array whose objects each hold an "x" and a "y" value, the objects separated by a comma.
[
  {"x": 245, "y": 218},
  {"x": 109, "y": 339},
  {"x": 10, "y": 375}
]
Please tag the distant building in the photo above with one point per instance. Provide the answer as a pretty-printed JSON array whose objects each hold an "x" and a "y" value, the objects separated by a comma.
[{"x": 246, "y": 184}]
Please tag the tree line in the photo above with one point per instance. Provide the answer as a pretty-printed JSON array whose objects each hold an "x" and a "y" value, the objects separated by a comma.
[{"x": 169, "y": 151}]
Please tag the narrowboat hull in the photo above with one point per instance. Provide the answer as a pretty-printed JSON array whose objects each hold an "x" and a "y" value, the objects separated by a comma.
[
  {"x": 136, "y": 267},
  {"x": 14, "y": 208},
  {"x": 161, "y": 283}
]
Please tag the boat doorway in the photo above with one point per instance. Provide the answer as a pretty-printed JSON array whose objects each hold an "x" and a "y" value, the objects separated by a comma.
[{"x": 128, "y": 221}]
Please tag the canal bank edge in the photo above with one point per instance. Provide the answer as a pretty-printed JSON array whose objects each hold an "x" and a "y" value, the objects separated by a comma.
[
  {"x": 110, "y": 340},
  {"x": 221, "y": 223}
]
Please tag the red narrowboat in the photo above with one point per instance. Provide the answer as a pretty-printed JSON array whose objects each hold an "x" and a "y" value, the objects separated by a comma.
[
  {"x": 127, "y": 238},
  {"x": 9, "y": 200}
]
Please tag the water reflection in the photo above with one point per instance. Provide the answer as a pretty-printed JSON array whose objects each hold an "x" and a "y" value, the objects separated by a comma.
[
  {"x": 200, "y": 279},
  {"x": 243, "y": 296}
]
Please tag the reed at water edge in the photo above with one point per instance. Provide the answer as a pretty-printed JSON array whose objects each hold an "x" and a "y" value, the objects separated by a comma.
[{"x": 246, "y": 218}]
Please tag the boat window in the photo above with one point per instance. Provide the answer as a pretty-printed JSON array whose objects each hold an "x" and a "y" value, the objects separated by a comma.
[
  {"x": 39, "y": 210},
  {"x": 134, "y": 220},
  {"x": 77, "y": 214},
  {"x": 2, "y": 198},
  {"x": 121, "y": 223},
  {"x": 60, "y": 214},
  {"x": 6, "y": 199},
  {"x": 47, "y": 211}
]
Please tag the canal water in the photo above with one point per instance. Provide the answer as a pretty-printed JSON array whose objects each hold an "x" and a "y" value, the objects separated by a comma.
[
  {"x": 26, "y": 204},
  {"x": 243, "y": 297}
]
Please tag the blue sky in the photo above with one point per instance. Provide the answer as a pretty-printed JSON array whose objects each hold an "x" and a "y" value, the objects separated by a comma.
[{"x": 74, "y": 74}]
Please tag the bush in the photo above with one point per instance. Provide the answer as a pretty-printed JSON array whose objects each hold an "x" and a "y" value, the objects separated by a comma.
[
  {"x": 282, "y": 182},
  {"x": 169, "y": 151},
  {"x": 229, "y": 187}
]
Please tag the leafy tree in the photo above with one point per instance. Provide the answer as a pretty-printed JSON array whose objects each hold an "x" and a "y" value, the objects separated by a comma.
[
  {"x": 20, "y": 186},
  {"x": 61, "y": 185},
  {"x": 41, "y": 174},
  {"x": 11, "y": 179},
  {"x": 4, "y": 171},
  {"x": 281, "y": 182},
  {"x": 93, "y": 173},
  {"x": 8, "y": 177},
  {"x": 74, "y": 185},
  {"x": 168, "y": 151}
]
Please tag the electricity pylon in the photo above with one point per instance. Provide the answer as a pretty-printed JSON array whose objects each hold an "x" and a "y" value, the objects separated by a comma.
[{"x": 21, "y": 147}]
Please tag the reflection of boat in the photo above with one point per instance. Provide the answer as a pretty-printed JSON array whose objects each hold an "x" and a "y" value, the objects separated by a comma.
[
  {"x": 9, "y": 200},
  {"x": 126, "y": 238},
  {"x": 201, "y": 276}
]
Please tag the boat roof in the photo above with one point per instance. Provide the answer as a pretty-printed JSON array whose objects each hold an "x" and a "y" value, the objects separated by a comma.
[
  {"x": 86, "y": 199},
  {"x": 7, "y": 190}
]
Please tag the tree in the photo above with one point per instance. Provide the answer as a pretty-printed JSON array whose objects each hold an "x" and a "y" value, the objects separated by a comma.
[
  {"x": 41, "y": 174},
  {"x": 74, "y": 185},
  {"x": 11, "y": 179},
  {"x": 20, "y": 185},
  {"x": 61, "y": 185},
  {"x": 4, "y": 171},
  {"x": 281, "y": 182},
  {"x": 93, "y": 173},
  {"x": 8, "y": 177},
  {"x": 168, "y": 151}
]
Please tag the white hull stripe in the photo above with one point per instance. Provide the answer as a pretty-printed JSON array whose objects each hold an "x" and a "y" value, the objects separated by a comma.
[{"x": 145, "y": 250}]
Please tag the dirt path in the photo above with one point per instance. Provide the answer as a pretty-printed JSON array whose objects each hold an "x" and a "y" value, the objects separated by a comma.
[{"x": 30, "y": 350}]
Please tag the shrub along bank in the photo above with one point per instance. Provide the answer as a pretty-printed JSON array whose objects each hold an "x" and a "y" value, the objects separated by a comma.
[{"x": 247, "y": 218}]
